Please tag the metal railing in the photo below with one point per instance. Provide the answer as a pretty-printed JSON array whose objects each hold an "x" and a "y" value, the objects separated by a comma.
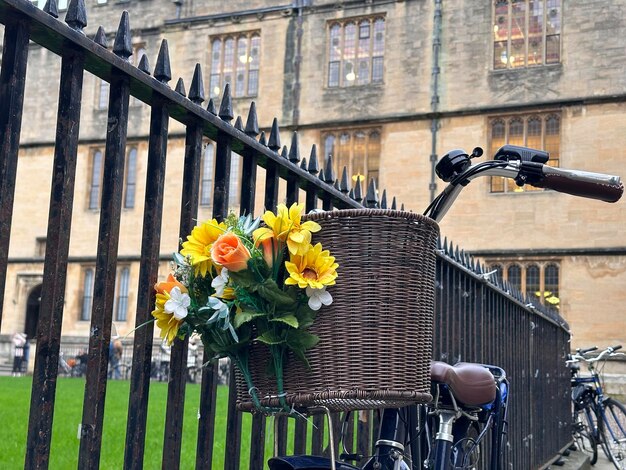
[{"x": 476, "y": 320}]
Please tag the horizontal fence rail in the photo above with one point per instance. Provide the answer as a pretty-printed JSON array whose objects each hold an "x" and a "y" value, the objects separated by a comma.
[{"x": 477, "y": 320}]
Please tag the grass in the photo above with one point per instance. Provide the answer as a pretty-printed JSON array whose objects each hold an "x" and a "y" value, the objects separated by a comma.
[{"x": 15, "y": 401}]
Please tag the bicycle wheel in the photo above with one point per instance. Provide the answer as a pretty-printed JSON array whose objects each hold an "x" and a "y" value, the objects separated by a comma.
[
  {"x": 583, "y": 432},
  {"x": 613, "y": 428}
]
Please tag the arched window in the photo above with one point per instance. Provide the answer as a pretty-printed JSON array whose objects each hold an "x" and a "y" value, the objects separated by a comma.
[
  {"x": 215, "y": 86},
  {"x": 526, "y": 33},
  {"x": 131, "y": 178},
  {"x": 358, "y": 150},
  {"x": 122, "y": 294},
  {"x": 88, "y": 280},
  {"x": 533, "y": 281},
  {"x": 551, "y": 290},
  {"x": 96, "y": 180},
  {"x": 538, "y": 131},
  {"x": 235, "y": 60},
  {"x": 498, "y": 271},
  {"x": 206, "y": 176},
  {"x": 329, "y": 145},
  {"x": 538, "y": 279},
  {"x": 514, "y": 276},
  {"x": 356, "y": 50}
]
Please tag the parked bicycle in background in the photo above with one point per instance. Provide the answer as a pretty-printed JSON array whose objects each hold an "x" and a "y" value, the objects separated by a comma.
[{"x": 598, "y": 420}]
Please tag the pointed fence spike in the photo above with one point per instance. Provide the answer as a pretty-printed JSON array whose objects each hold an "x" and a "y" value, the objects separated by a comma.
[
  {"x": 351, "y": 193},
  {"x": 329, "y": 175},
  {"x": 357, "y": 190},
  {"x": 344, "y": 187},
  {"x": 226, "y": 106},
  {"x": 252, "y": 124},
  {"x": 303, "y": 164},
  {"x": 163, "y": 70},
  {"x": 144, "y": 65},
  {"x": 445, "y": 245},
  {"x": 122, "y": 47},
  {"x": 52, "y": 8},
  {"x": 284, "y": 153},
  {"x": 383, "y": 201},
  {"x": 180, "y": 87},
  {"x": 480, "y": 268},
  {"x": 402, "y": 207},
  {"x": 336, "y": 185},
  {"x": 456, "y": 253},
  {"x": 320, "y": 175},
  {"x": 196, "y": 90},
  {"x": 239, "y": 124},
  {"x": 371, "y": 198},
  {"x": 101, "y": 38},
  {"x": 76, "y": 16},
  {"x": 274, "y": 141},
  {"x": 313, "y": 165},
  {"x": 294, "y": 149},
  {"x": 262, "y": 140},
  {"x": 394, "y": 204},
  {"x": 211, "y": 107},
  {"x": 439, "y": 245}
]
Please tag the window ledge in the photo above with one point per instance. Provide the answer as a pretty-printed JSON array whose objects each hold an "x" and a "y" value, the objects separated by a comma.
[
  {"x": 369, "y": 86},
  {"x": 527, "y": 69}
]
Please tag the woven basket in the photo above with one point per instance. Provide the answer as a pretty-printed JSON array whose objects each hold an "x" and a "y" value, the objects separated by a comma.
[{"x": 376, "y": 337}]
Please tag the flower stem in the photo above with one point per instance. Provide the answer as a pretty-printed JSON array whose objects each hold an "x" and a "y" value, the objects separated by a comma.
[{"x": 277, "y": 354}]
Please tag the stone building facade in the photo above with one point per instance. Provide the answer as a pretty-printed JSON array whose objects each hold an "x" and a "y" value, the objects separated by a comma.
[{"x": 387, "y": 87}]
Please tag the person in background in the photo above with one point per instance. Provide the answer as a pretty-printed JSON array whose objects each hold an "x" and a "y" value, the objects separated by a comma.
[
  {"x": 115, "y": 356},
  {"x": 26, "y": 354},
  {"x": 18, "y": 340}
]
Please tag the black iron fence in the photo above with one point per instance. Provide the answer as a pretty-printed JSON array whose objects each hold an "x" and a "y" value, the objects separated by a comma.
[{"x": 477, "y": 320}]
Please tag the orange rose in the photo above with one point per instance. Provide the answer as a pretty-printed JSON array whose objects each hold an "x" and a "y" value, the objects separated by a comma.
[
  {"x": 270, "y": 249},
  {"x": 168, "y": 285},
  {"x": 228, "y": 251}
]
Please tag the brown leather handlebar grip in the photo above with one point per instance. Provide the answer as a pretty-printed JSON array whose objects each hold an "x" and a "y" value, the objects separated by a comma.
[{"x": 582, "y": 183}]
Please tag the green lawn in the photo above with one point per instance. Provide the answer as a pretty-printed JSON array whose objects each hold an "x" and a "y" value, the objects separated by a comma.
[{"x": 15, "y": 400}]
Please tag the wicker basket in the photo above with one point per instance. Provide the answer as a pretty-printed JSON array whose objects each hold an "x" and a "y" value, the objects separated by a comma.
[{"x": 376, "y": 337}]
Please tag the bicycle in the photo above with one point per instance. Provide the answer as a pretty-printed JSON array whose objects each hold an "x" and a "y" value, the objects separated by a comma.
[
  {"x": 470, "y": 400},
  {"x": 598, "y": 418}
]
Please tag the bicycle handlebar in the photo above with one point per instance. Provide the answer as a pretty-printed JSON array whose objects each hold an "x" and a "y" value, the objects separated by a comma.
[
  {"x": 580, "y": 354},
  {"x": 525, "y": 166}
]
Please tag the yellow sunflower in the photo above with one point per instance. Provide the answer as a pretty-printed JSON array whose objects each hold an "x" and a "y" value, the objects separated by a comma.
[
  {"x": 286, "y": 226},
  {"x": 315, "y": 268},
  {"x": 165, "y": 321},
  {"x": 199, "y": 243}
]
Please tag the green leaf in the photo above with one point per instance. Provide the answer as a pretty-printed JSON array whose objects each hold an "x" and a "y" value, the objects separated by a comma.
[
  {"x": 270, "y": 291},
  {"x": 300, "y": 355},
  {"x": 270, "y": 338},
  {"x": 299, "y": 339},
  {"x": 244, "y": 317},
  {"x": 287, "y": 319}
]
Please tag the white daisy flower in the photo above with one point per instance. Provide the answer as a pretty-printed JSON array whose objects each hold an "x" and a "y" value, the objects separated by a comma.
[
  {"x": 219, "y": 282},
  {"x": 318, "y": 297},
  {"x": 178, "y": 303}
]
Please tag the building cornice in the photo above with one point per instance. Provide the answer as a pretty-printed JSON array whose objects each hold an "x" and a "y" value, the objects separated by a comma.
[
  {"x": 402, "y": 117},
  {"x": 545, "y": 252}
]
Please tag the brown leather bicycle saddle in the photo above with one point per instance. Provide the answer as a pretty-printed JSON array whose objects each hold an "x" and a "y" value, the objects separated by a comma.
[{"x": 471, "y": 384}]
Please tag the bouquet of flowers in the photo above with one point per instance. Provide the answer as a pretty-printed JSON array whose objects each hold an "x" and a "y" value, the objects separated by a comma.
[{"x": 236, "y": 282}]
